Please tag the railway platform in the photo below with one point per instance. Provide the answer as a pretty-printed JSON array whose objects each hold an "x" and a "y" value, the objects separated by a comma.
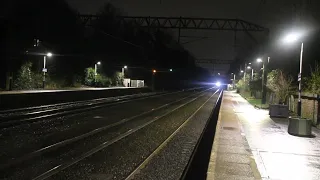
[{"x": 250, "y": 145}]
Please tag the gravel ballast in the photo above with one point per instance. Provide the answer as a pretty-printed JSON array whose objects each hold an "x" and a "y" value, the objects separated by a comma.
[
  {"x": 120, "y": 159},
  {"x": 38, "y": 165}
]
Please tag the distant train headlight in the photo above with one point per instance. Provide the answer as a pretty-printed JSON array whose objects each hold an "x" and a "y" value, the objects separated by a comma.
[{"x": 218, "y": 84}]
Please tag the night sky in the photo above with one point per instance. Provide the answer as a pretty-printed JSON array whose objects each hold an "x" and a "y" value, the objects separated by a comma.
[{"x": 277, "y": 15}]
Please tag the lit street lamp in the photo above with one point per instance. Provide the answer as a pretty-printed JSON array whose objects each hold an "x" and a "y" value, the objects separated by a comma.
[
  {"x": 244, "y": 75},
  {"x": 153, "y": 79},
  {"x": 124, "y": 67},
  {"x": 95, "y": 71},
  {"x": 234, "y": 80},
  {"x": 249, "y": 67},
  {"x": 44, "y": 70},
  {"x": 290, "y": 39},
  {"x": 263, "y": 98},
  {"x": 245, "y": 68}
]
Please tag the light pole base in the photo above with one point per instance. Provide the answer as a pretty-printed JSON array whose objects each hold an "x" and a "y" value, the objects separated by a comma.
[{"x": 299, "y": 127}]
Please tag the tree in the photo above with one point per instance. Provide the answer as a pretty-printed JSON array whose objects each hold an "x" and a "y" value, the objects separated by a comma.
[
  {"x": 314, "y": 81},
  {"x": 24, "y": 77},
  {"x": 118, "y": 79},
  {"x": 256, "y": 76},
  {"x": 60, "y": 33},
  {"x": 243, "y": 85},
  {"x": 107, "y": 39},
  {"x": 99, "y": 80},
  {"x": 103, "y": 81},
  {"x": 89, "y": 77},
  {"x": 280, "y": 84},
  {"x": 255, "y": 85}
]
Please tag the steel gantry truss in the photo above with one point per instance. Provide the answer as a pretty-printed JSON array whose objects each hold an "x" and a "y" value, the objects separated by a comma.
[
  {"x": 212, "y": 61},
  {"x": 182, "y": 23},
  {"x": 212, "y": 64},
  {"x": 187, "y": 23}
]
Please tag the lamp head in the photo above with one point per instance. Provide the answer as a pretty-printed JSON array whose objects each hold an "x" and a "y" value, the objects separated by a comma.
[
  {"x": 49, "y": 54},
  {"x": 290, "y": 38}
]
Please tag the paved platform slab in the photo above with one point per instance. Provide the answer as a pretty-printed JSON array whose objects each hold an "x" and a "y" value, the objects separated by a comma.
[
  {"x": 270, "y": 149},
  {"x": 231, "y": 157}
]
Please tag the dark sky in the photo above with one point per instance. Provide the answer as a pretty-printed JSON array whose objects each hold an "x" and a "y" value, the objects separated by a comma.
[{"x": 277, "y": 15}]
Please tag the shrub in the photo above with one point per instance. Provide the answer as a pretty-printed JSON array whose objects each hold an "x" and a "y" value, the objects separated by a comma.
[
  {"x": 313, "y": 82},
  {"x": 89, "y": 77},
  {"x": 100, "y": 81},
  {"x": 280, "y": 84},
  {"x": 76, "y": 81},
  {"x": 37, "y": 80},
  {"x": 255, "y": 85},
  {"x": 243, "y": 85},
  {"x": 103, "y": 81},
  {"x": 118, "y": 79},
  {"x": 24, "y": 77}
]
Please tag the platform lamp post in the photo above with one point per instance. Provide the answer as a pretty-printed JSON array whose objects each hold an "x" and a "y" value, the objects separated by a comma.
[
  {"x": 44, "y": 70},
  {"x": 123, "y": 69},
  {"x": 241, "y": 71},
  {"x": 264, "y": 77},
  {"x": 249, "y": 67},
  {"x": 234, "y": 80},
  {"x": 246, "y": 66},
  {"x": 290, "y": 38},
  {"x": 244, "y": 75},
  {"x": 153, "y": 83},
  {"x": 96, "y": 71},
  {"x": 299, "y": 126}
]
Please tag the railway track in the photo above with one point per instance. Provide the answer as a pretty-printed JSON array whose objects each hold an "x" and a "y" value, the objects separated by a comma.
[
  {"x": 159, "y": 113},
  {"x": 32, "y": 114},
  {"x": 163, "y": 144},
  {"x": 9, "y": 118}
]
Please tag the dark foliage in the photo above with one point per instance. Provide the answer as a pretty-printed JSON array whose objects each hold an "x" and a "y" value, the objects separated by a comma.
[{"x": 77, "y": 47}]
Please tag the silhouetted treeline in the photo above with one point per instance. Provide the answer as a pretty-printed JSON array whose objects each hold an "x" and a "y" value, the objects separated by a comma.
[{"x": 76, "y": 47}]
